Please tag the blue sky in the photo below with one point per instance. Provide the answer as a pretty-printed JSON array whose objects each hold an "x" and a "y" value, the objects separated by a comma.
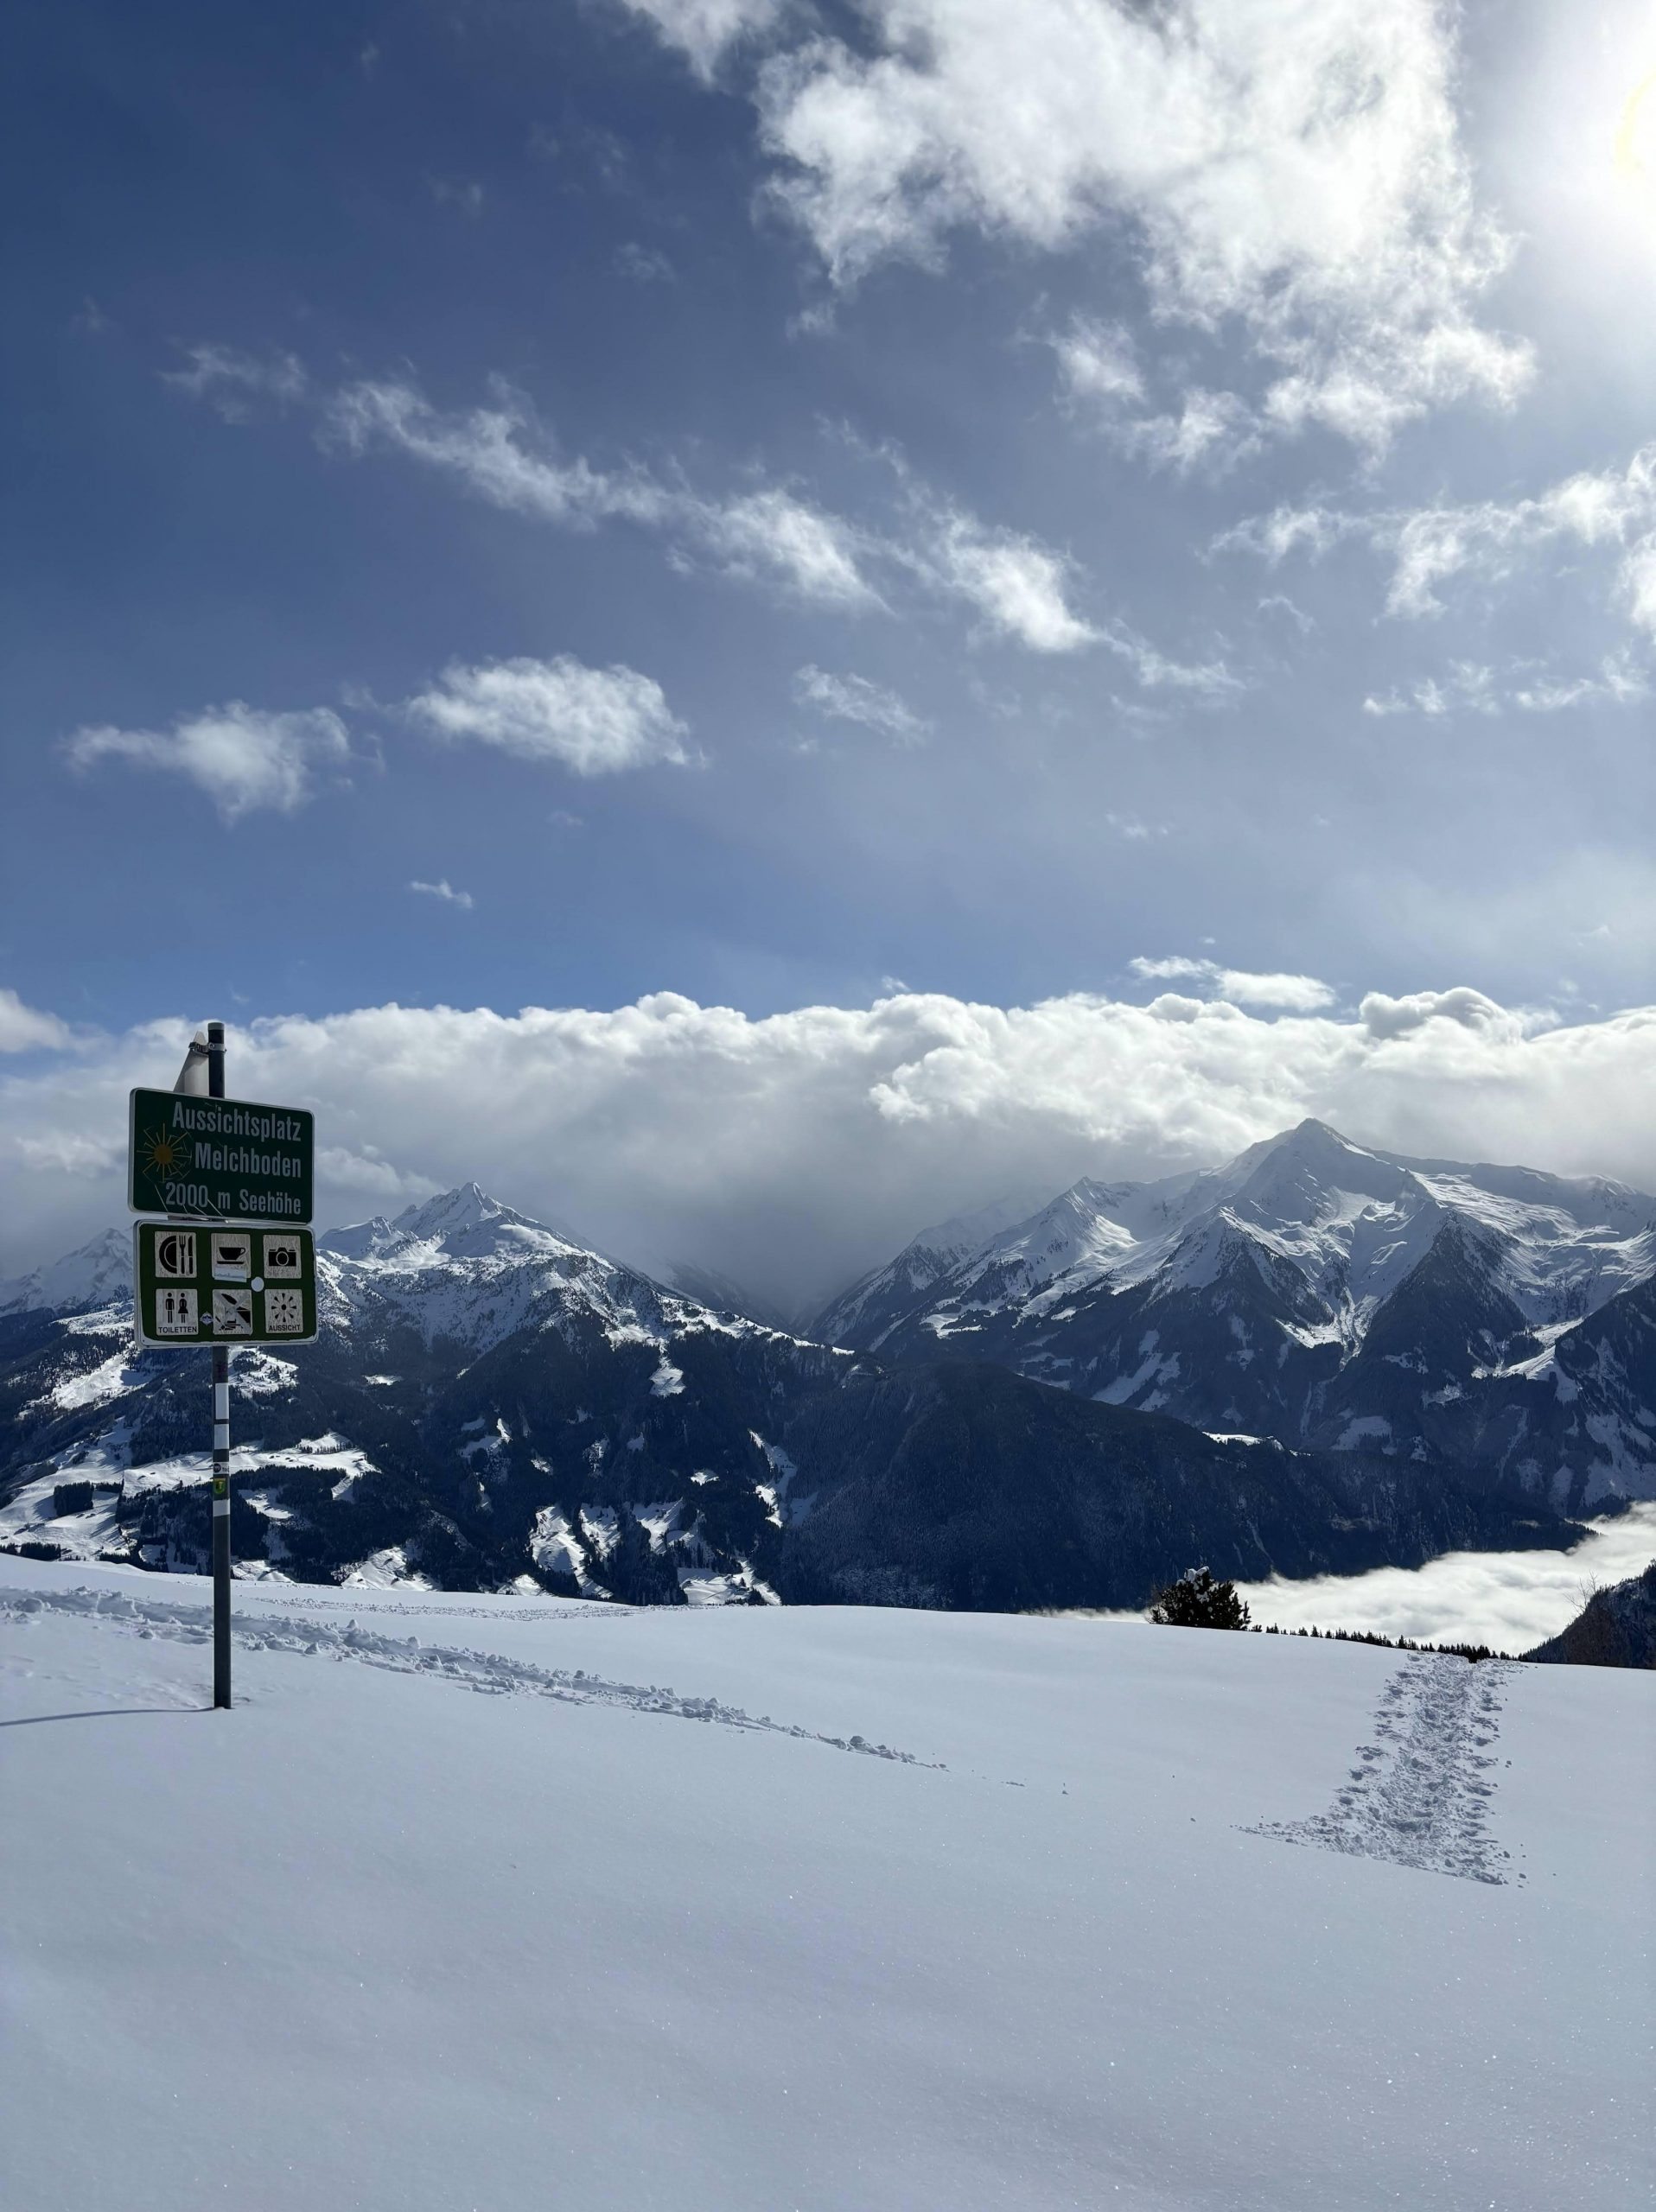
[{"x": 797, "y": 506}]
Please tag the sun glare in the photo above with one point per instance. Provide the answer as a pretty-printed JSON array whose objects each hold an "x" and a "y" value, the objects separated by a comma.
[{"x": 1636, "y": 137}]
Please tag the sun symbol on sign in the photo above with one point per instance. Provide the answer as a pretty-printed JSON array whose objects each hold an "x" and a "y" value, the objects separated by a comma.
[{"x": 161, "y": 1152}]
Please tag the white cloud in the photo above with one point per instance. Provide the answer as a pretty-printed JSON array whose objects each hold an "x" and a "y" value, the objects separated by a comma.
[
  {"x": 1285, "y": 530},
  {"x": 1020, "y": 587},
  {"x": 855, "y": 699},
  {"x": 1213, "y": 428},
  {"x": 445, "y": 890},
  {"x": 1099, "y": 365},
  {"x": 1100, "y": 374},
  {"x": 24, "y": 1029},
  {"x": 1278, "y": 602},
  {"x": 57, "y": 1152},
  {"x": 771, "y": 536},
  {"x": 1297, "y": 168},
  {"x": 1468, "y": 687},
  {"x": 231, "y": 381},
  {"x": 595, "y": 721},
  {"x": 501, "y": 454},
  {"x": 704, "y": 30},
  {"x": 366, "y": 1173},
  {"x": 797, "y": 1149},
  {"x": 1618, "y": 683},
  {"x": 1158, "y": 671},
  {"x": 244, "y": 759},
  {"x": 1435, "y": 544},
  {"x": 1240, "y": 986},
  {"x": 1637, "y": 579},
  {"x": 1385, "y": 1017},
  {"x": 464, "y": 192},
  {"x": 1612, "y": 510},
  {"x": 1510, "y": 1600},
  {"x": 645, "y": 264}
]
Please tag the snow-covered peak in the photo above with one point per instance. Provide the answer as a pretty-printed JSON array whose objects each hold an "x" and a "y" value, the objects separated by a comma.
[
  {"x": 927, "y": 1258},
  {"x": 363, "y": 1240},
  {"x": 460, "y": 1224},
  {"x": 97, "y": 1274},
  {"x": 456, "y": 1213},
  {"x": 1354, "y": 1221},
  {"x": 969, "y": 1232},
  {"x": 464, "y": 1268},
  {"x": 1311, "y": 1173},
  {"x": 1080, "y": 1232}
]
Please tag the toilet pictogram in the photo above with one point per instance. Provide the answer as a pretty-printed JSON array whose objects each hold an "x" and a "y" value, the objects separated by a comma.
[{"x": 176, "y": 1314}]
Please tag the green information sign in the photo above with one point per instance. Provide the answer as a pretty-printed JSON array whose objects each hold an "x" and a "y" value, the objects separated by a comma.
[
  {"x": 220, "y": 1159},
  {"x": 223, "y": 1286}
]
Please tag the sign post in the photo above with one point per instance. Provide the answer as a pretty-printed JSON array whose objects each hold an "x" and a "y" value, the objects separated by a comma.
[
  {"x": 220, "y": 1449},
  {"x": 213, "y": 1167}
]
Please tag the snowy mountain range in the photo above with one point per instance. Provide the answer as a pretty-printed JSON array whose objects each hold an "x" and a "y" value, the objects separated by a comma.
[
  {"x": 1495, "y": 1320},
  {"x": 491, "y": 1405}
]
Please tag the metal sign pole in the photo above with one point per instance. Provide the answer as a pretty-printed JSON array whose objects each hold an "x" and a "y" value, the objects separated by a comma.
[
  {"x": 220, "y": 1448},
  {"x": 230, "y": 1166}
]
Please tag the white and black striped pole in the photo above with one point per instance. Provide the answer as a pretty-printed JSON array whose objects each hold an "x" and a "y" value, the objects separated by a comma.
[
  {"x": 220, "y": 1448},
  {"x": 205, "y": 1060}
]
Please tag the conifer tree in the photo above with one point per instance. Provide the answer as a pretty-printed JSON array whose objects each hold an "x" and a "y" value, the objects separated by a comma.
[{"x": 1195, "y": 1600}]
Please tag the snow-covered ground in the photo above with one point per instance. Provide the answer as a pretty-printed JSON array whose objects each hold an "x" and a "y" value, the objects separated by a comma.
[{"x": 487, "y": 1904}]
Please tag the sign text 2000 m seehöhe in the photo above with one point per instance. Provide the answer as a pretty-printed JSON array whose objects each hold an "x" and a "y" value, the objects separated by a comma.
[{"x": 220, "y": 1159}]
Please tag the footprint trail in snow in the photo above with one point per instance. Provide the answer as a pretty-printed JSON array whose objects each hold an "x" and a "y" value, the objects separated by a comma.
[
  {"x": 1419, "y": 1795},
  {"x": 484, "y": 1671}
]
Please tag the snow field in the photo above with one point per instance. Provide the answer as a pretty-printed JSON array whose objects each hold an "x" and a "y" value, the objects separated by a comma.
[{"x": 376, "y": 1941}]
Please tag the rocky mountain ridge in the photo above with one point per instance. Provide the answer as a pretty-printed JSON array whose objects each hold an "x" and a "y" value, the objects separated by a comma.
[{"x": 1495, "y": 1319}]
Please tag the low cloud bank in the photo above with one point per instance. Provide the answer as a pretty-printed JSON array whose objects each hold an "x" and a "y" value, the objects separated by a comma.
[
  {"x": 1510, "y": 1600},
  {"x": 792, "y": 1152}
]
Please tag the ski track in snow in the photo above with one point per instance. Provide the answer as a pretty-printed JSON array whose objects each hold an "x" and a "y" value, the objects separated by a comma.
[
  {"x": 483, "y": 1671},
  {"x": 1419, "y": 1795},
  {"x": 285, "y": 1595}
]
